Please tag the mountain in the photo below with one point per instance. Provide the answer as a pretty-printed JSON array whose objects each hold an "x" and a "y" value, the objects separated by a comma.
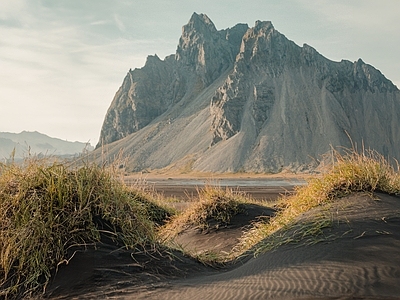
[
  {"x": 247, "y": 99},
  {"x": 36, "y": 143}
]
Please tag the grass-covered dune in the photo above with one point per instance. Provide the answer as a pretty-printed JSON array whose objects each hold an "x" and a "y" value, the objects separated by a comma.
[
  {"x": 211, "y": 226},
  {"x": 351, "y": 173},
  {"x": 296, "y": 218},
  {"x": 47, "y": 208},
  {"x": 50, "y": 209}
]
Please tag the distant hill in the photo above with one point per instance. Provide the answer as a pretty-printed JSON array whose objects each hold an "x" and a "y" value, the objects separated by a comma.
[
  {"x": 36, "y": 143},
  {"x": 247, "y": 99}
]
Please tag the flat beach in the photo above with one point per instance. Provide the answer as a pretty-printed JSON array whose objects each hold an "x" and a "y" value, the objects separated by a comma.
[{"x": 185, "y": 187}]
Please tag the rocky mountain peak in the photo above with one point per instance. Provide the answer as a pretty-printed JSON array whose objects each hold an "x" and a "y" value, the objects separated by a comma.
[
  {"x": 152, "y": 60},
  {"x": 248, "y": 99},
  {"x": 261, "y": 27},
  {"x": 235, "y": 34},
  {"x": 263, "y": 46},
  {"x": 261, "y": 30},
  {"x": 199, "y": 29},
  {"x": 205, "y": 50},
  {"x": 199, "y": 23}
]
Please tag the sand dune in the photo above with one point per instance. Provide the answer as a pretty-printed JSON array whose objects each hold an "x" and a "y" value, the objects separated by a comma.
[{"x": 359, "y": 259}]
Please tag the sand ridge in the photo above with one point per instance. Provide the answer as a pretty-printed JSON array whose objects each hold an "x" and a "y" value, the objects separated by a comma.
[{"x": 360, "y": 260}]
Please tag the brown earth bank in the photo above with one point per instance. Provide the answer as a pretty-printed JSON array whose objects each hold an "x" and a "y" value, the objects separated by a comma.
[{"x": 357, "y": 257}]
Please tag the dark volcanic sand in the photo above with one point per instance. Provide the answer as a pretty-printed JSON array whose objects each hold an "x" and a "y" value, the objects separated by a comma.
[{"x": 359, "y": 260}]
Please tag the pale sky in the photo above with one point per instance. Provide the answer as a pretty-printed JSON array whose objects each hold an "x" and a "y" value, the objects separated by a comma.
[{"x": 62, "y": 61}]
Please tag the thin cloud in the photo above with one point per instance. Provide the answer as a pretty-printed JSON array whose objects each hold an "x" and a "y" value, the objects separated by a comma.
[
  {"x": 119, "y": 23},
  {"x": 68, "y": 80},
  {"x": 100, "y": 22}
]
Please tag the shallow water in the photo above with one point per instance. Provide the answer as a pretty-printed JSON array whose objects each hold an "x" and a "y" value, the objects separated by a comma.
[{"x": 254, "y": 182}]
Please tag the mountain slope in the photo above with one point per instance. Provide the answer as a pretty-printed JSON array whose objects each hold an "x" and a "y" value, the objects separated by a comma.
[
  {"x": 248, "y": 99},
  {"x": 35, "y": 143}
]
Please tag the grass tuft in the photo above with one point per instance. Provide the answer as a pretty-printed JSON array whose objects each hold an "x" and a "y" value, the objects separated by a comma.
[
  {"x": 48, "y": 207},
  {"x": 216, "y": 207},
  {"x": 349, "y": 173}
]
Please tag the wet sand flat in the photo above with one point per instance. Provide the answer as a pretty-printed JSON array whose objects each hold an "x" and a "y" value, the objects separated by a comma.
[{"x": 187, "y": 188}]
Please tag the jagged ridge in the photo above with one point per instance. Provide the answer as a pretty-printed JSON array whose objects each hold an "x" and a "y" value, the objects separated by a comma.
[{"x": 248, "y": 99}]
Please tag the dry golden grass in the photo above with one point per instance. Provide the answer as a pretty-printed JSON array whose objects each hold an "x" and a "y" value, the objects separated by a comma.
[
  {"x": 215, "y": 208},
  {"x": 47, "y": 207},
  {"x": 214, "y": 203},
  {"x": 349, "y": 173}
]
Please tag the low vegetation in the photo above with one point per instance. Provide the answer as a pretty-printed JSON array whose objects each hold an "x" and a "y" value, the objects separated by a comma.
[
  {"x": 215, "y": 207},
  {"x": 47, "y": 208},
  {"x": 349, "y": 173}
]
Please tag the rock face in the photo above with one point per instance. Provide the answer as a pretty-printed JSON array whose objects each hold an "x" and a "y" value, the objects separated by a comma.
[
  {"x": 203, "y": 54},
  {"x": 248, "y": 99}
]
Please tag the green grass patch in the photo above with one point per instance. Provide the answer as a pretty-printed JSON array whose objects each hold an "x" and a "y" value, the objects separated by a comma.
[{"x": 48, "y": 207}]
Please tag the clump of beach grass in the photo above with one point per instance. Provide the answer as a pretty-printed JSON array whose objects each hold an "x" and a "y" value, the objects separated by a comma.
[
  {"x": 47, "y": 207},
  {"x": 215, "y": 207},
  {"x": 161, "y": 208},
  {"x": 348, "y": 173}
]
